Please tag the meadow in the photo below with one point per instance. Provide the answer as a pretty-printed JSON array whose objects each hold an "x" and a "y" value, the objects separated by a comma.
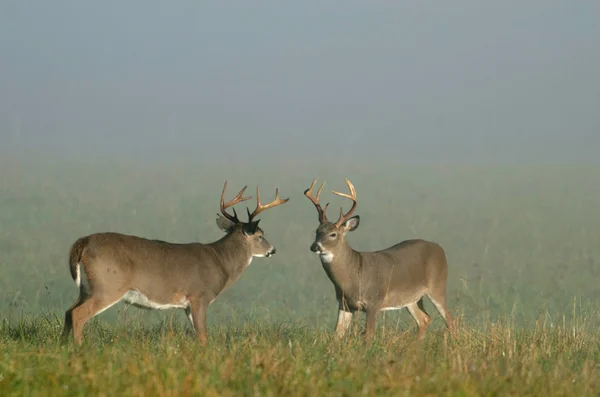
[{"x": 522, "y": 245}]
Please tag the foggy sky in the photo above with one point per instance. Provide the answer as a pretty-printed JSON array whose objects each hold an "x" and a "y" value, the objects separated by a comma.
[{"x": 355, "y": 81}]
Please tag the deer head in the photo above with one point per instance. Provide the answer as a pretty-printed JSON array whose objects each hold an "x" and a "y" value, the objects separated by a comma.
[
  {"x": 248, "y": 231},
  {"x": 330, "y": 237}
]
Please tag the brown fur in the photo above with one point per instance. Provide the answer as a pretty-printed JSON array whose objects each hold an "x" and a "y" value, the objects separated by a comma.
[
  {"x": 76, "y": 253},
  {"x": 159, "y": 275},
  {"x": 392, "y": 278}
]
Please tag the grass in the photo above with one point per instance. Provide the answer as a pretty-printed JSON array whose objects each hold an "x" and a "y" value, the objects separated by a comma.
[
  {"x": 522, "y": 244},
  {"x": 267, "y": 359}
]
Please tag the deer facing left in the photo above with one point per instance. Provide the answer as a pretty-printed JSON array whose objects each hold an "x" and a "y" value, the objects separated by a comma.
[{"x": 111, "y": 267}]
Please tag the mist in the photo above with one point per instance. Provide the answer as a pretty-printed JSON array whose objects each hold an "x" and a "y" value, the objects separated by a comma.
[{"x": 352, "y": 82}]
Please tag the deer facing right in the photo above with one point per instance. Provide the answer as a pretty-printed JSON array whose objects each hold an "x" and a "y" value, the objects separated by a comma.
[
  {"x": 390, "y": 279},
  {"x": 152, "y": 274}
]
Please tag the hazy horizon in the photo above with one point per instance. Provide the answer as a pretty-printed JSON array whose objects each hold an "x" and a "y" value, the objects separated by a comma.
[{"x": 400, "y": 81}]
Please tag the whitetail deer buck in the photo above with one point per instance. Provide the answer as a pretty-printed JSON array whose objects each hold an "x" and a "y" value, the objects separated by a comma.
[
  {"x": 155, "y": 274},
  {"x": 389, "y": 279}
]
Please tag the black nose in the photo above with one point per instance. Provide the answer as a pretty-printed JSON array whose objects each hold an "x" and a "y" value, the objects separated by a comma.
[
  {"x": 273, "y": 251},
  {"x": 314, "y": 247}
]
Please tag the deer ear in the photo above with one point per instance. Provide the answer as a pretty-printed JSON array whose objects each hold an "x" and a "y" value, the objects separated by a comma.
[
  {"x": 250, "y": 228},
  {"x": 351, "y": 224},
  {"x": 225, "y": 224}
]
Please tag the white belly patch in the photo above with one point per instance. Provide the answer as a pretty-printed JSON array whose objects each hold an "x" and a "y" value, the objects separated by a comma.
[
  {"x": 138, "y": 299},
  {"x": 392, "y": 308}
]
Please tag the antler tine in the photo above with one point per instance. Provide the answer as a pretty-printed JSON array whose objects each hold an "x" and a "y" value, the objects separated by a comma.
[
  {"x": 237, "y": 199},
  {"x": 315, "y": 200},
  {"x": 261, "y": 207},
  {"x": 352, "y": 196}
]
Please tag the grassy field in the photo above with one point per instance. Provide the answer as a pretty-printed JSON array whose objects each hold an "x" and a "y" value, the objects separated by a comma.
[
  {"x": 267, "y": 359},
  {"x": 522, "y": 244}
]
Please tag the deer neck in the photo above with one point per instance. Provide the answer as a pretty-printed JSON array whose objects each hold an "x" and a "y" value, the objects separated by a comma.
[
  {"x": 342, "y": 266},
  {"x": 233, "y": 255}
]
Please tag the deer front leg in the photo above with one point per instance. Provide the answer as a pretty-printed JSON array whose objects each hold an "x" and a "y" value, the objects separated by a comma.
[
  {"x": 371, "y": 324},
  {"x": 343, "y": 322},
  {"x": 198, "y": 309}
]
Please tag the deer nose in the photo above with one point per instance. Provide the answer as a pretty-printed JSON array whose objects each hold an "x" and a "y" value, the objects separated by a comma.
[{"x": 314, "y": 247}]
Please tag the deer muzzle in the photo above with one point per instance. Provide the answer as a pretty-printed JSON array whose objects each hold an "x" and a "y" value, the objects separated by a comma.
[{"x": 316, "y": 248}]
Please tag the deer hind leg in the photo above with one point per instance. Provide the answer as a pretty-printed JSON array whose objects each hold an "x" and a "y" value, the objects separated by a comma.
[
  {"x": 90, "y": 307},
  {"x": 68, "y": 327},
  {"x": 438, "y": 297},
  {"x": 421, "y": 317}
]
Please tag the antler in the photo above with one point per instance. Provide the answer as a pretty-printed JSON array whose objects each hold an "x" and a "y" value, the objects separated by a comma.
[
  {"x": 261, "y": 207},
  {"x": 237, "y": 199},
  {"x": 352, "y": 196},
  {"x": 315, "y": 201}
]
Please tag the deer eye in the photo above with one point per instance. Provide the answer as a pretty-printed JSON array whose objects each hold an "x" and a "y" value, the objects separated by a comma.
[{"x": 333, "y": 235}]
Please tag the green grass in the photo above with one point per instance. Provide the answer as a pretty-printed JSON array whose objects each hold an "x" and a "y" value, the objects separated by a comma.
[
  {"x": 289, "y": 359},
  {"x": 522, "y": 244}
]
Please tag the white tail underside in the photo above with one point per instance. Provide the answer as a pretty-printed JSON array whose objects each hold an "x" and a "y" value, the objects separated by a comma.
[{"x": 78, "y": 277}]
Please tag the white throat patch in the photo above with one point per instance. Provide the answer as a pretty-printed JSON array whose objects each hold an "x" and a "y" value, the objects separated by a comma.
[{"x": 326, "y": 257}]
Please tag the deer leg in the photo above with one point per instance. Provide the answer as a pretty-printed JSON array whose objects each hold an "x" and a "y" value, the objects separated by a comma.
[
  {"x": 198, "y": 310},
  {"x": 343, "y": 322},
  {"x": 68, "y": 327},
  {"x": 438, "y": 297},
  {"x": 89, "y": 308},
  {"x": 422, "y": 307},
  {"x": 420, "y": 317},
  {"x": 188, "y": 313},
  {"x": 371, "y": 324}
]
